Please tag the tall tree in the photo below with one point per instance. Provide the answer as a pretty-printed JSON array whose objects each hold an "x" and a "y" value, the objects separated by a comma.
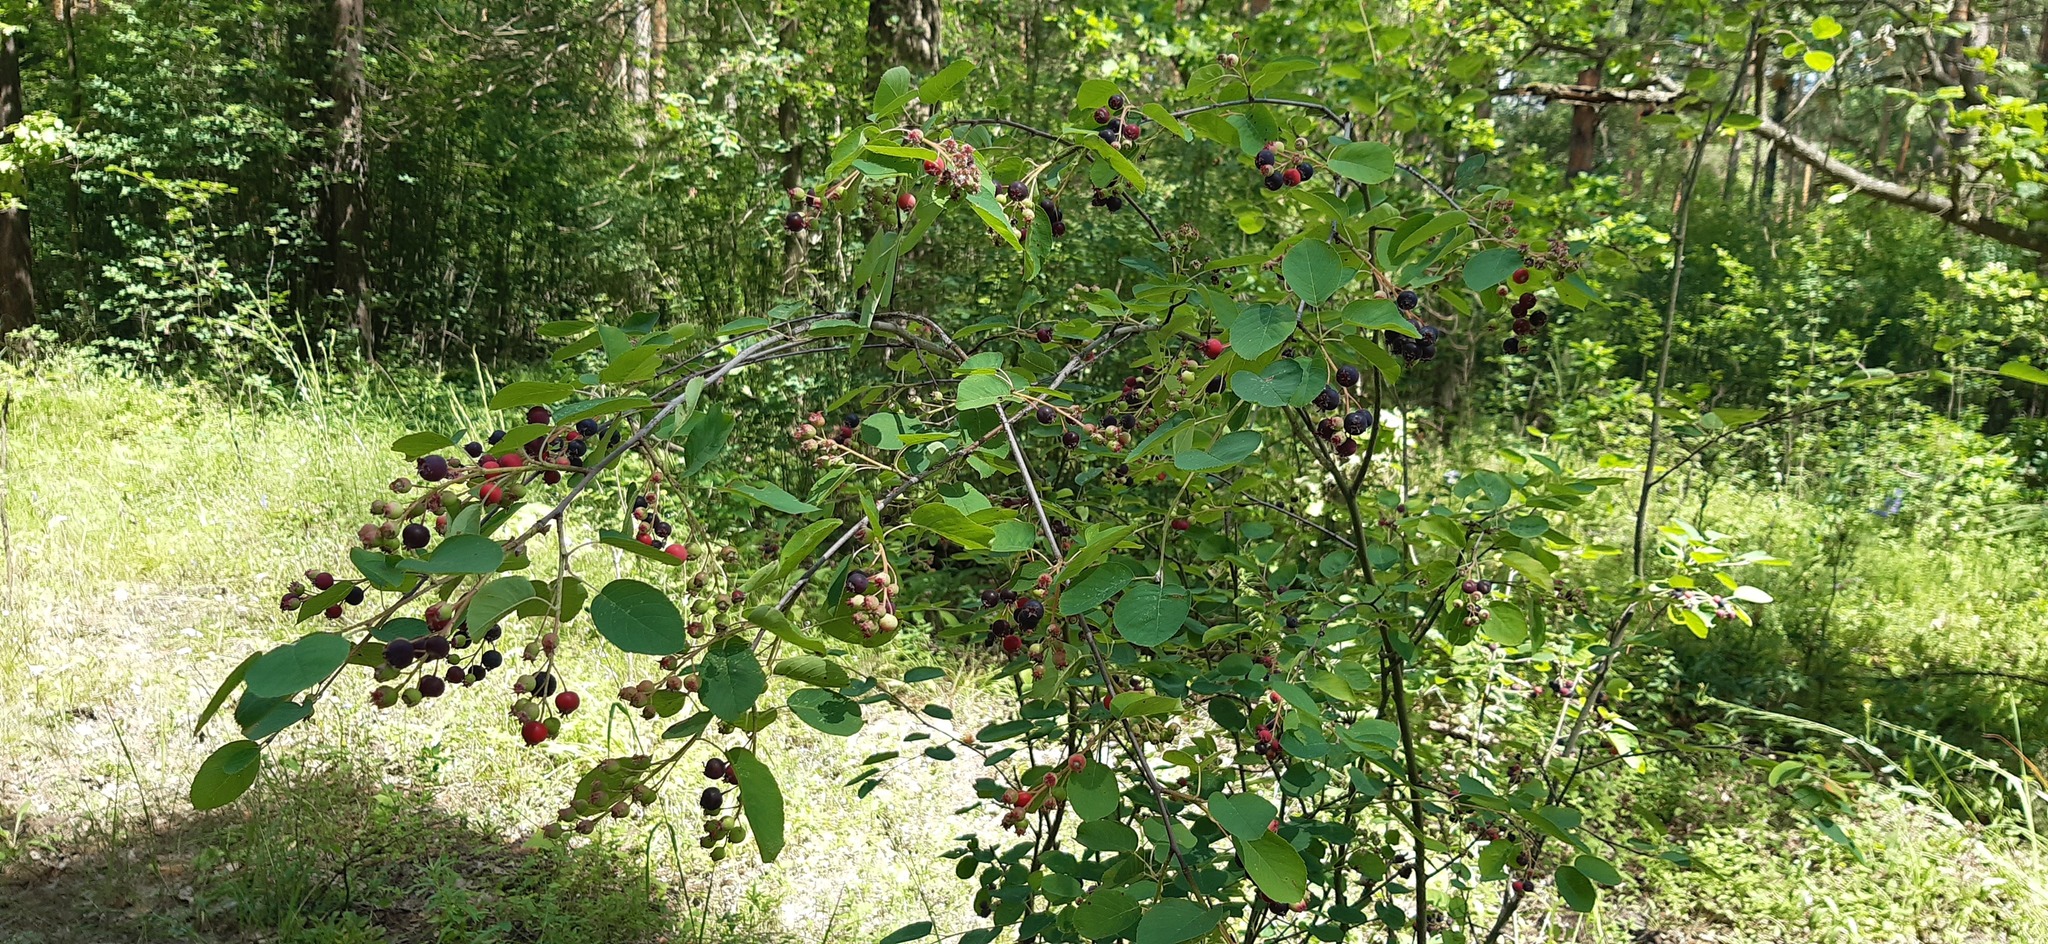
[
  {"x": 17, "y": 258},
  {"x": 345, "y": 214}
]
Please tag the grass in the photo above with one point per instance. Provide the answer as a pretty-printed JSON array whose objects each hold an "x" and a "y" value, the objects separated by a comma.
[{"x": 149, "y": 524}]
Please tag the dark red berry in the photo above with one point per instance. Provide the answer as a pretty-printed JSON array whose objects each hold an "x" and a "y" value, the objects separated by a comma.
[
  {"x": 334, "y": 612},
  {"x": 1102, "y": 116},
  {"x": 567, "y": 702},
  {"x": 539, "y": 416},
  {"x": 1181, "y": 524},
  {"x": 794, "y": 222},
  {"x": 1070, "y": 439},
  {"x": 1046, "y": 415},
  {"x": 533, "y": 732},
  {"x": 323, "y": 580},
  {"x": 1520, "y": 277},
  {"x": 1291, "y": 177},
  {"x": 1116, "y": 101},
  {"x": 714, "y": 768},
  {"x": 1044, "y": 335},
  {"x": 1131, "y": 130}
]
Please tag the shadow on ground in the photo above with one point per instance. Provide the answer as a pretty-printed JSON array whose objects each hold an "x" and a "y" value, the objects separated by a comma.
[{"x": 322, "y": 854}]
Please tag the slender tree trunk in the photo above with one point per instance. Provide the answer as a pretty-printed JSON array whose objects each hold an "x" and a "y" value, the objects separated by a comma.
[
  {"x": 345, "y": 215},
  {"x": 17, "y": 260},
  {"x": 787, "y": 121},
  {"x": 658, "y": 68},
  {"x": 1781, "y": 103},
  {"x": 902, "y": 33},
  {"x": 637, "y": 69},
  {"x": 1585, "y": 129},
  {"x": 74, "y": 199}
]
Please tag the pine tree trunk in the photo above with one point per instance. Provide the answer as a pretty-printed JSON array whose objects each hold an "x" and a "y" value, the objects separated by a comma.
[
  {"x": 345, "y": 215},
  {"x": 17, "y": 260}
]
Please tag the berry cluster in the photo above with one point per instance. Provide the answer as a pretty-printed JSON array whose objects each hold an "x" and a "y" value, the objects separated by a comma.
[
  {"x": 1528, "y": 319},
  {"x": 805, "y": 206},
  {"x": 1283, "y": 169},
  {"x": 613, "y": 790},
  {"x": 837, "y": 447},
  {"x": 1342, "y": 432},
  {"x": 955, "y": 167},
  {"x": 872, "y": 598},
  {"x": 719, "y": 831},
  {"x": 407, "y": 675},
  {"x": 1476, "y": 592},
  {"x": 296, "y": 594},
  {"x": 1116, "y": 126},
  {"x": 1017, "y": 194},
  {"x": 650, "y": 528}
]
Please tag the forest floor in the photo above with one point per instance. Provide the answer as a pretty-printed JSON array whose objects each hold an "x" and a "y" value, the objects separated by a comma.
[{"x": 146, "y": 527}]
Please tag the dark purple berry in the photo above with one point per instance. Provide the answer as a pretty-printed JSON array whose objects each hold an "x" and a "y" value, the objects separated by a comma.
[
  {"x": 1358, "y": 421},
  {"x": 432, "y": 686},
  {"x": 398, "y": 653},
  {"x": 433, "y": 647},
  {"x": 492, "y": 658},
  {"x": 1329, "y": 399},
  {"x": 1274, "y": 182},
  {"x": 1116, "y": 101},
  {"x": 712, "y": 801},
  {"x": 1407, "y": 300},
  {"x": 433, "y": 468},
  {"x": 475, "y": 449},
  {"x": 1029, "y": 612},
  {"x": 416, "y": 535},
  {"x": 1347, "y": 376},
  {"x": 714, "y": 768},
  {"x": 857, "y": 582},
  {"x": 1070, "y": 439},
  {"x": 1306, "y": 171},
  {"x": 1046, "y": 415},
  {"x": 355, "y": 596}
]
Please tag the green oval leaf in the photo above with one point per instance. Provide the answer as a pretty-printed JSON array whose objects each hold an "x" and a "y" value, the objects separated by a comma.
[
  {"x": 1274, "y": 866},
  {"x": 760, "y": 800},
  {"x": 1314, "y": 271},
  {"x": 1577, "y": 890},
  {"x": 1367, "y": 162},
  {"x": 733, "y": 679},
  {"x": 826, "y": 711},
  {"x": 226, "y": 774},
  {"x": 638, "y": 618},
  {"x": 1106, "y": 913},
  {"x": 460, "y": 554},
  {"x": 1174, "y": 920},
  {"x": 1490, "y": 268},
  {"x": 1243, "y": 815},
  {"x": 296, "y": 666},
  {"x": 1094, "y": 589},
  {"x": 1150, "y": 614}
]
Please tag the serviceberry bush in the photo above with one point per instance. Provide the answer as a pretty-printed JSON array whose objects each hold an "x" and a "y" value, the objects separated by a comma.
[{"x": 1273, "y": 680}]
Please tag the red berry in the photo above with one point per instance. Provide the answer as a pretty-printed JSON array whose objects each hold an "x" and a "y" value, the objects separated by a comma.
[
  {"x": 907, "y": 202},
  {"x": 678, "y": 551},
  {"x": 1291, "y": 177},
  {"x": 323, "y": 580},
  {"x": 334, "y": 612},
  {"x": 647, "y": 539},
  {"x": 1013, "y": 644},
  {"x": 511, "y": 460},
  {"x": 490, "y": 493},
  {"x": 1076, "y": 762},
  {"x": 539, "y": 415},
  {"x": 533, "y": 732},
  {"x": 1521, "y": 276},
  {"x": 1213, "y": 347},
  {"x": 1180, "y": 524},
  {"x": 567, "y": 702},
  {"x": 932, "y": 168},
  {"x": 1274, "y": 697},
  {"x": 1131, "y": 130}
]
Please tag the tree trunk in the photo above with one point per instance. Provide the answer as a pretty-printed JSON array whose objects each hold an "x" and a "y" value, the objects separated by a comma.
[
  {"x": 1585, "y": 128},
  {"x": 902, "y": 33},
  {"x": 345, "y": 216},
  {"x": 659, "y": 67},
  {"x": 17, "y": 279},
  {"x": 637, "y": 69},
  {"x": 787, "y": 121}
]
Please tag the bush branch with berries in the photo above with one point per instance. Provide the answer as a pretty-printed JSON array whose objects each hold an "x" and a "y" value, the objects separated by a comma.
[{"x": 1269, "y": 678}]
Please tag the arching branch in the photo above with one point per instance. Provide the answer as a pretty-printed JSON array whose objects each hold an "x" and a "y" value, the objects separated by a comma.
[{"x": 1813, "y": 155}]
